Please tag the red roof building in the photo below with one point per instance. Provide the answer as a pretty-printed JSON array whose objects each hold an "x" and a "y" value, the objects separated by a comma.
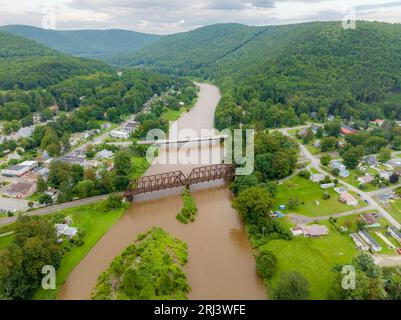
[{"x": 346, "y": 130}]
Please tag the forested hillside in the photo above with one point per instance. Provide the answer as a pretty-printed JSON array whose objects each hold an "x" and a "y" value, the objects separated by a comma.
[
  {"x": 281, "y": 75},
  {"x": 27, "y": 65},
  {"x": 85, "y": 43}
]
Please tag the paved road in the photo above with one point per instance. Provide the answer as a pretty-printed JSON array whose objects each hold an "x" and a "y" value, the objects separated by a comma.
[
  {"x": 315, "y": 163},
  {"x": 56, "y": 208},
  {"x": 387, "y": 260},
  {"x": 300, "y": 219}
]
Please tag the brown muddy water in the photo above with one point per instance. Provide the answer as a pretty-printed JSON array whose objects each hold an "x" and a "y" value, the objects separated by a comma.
[{"x": 221, "y": 263}]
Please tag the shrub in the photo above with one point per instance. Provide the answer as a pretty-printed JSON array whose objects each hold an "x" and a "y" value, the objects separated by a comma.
[{"x": 189, "y": 209}]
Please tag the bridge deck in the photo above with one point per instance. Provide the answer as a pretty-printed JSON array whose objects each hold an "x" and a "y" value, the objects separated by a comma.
[
  {"x": 176, "y": 179},
  {"x": 173, "y": 141}
]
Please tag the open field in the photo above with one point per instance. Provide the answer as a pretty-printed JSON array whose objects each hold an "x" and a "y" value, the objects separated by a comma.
[
  {"x": 140, "y": 165},
  {"x": 308, "y": 192},
  {"x": 314, "y": 258},
  {"x": 95, "y": 223}
]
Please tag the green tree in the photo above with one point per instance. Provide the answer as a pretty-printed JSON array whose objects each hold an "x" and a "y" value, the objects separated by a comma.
[
  {"x": 353, "y": 156},
  {"x": 292, "y": 286},
  {"x": 41, "y": 185},
  {"x": 85, "y": 188},
  {"x": 266, "y": 265},
  {"x": 122, "y": 163},
  {"x": 254, "y": 204},
  {"x": 325, "y": 160},
  {"x": 384, "y": 155}
]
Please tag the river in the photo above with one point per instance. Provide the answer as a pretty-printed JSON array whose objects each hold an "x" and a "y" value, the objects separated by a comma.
[{"x": 221, "y": 263}]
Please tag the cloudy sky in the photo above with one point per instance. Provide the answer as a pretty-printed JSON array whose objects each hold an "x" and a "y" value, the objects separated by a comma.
[{"x": 171, "y": 16}]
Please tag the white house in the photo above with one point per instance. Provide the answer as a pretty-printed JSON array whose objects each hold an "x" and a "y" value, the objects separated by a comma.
[
  {"x": 19, "y": 169},
  {"x": 119, "y": 134},
  {"x": 317, "y": 177},
  {"x": 370, "y": 241},
  {"x": 104, "y": 154},
  {"x": 385, "y": 174},
  {"x": 66, "y": 230}
]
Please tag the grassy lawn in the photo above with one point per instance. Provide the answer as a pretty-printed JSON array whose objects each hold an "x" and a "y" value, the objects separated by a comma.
[
  {"x": 172, "y": 115},
  {"x": 95, "y": 222},
  {"x": 6, "y": 240},
  {"x": 314, "y": 258},
  {"x": 308, "y": 192},
  {"x": 34, "y": 197},
  {"x": 353, "y": 180},
  {"x": 394, "y": 208},
  {"x": 140, "y": 165}
]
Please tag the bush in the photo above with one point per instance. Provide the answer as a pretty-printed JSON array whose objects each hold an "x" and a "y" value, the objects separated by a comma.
[
  {"x": 189, "y": 209},
  {"x": 292, "y": 286},
  {"x": 304, "y": 174},
  {"x": 266, "y": 265},
  {"x": 114, "y": 201},
  {"x": 326, "y": 196}
]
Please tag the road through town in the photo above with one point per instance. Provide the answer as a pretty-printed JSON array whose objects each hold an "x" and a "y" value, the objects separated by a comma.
[{"x": 315, "y": 163}]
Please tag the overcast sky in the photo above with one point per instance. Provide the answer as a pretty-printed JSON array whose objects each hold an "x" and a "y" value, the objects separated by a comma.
[{"x": 171, "y": 16}]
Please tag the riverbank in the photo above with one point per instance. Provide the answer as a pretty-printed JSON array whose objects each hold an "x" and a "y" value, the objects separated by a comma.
[{"x": 221, "y": 264}]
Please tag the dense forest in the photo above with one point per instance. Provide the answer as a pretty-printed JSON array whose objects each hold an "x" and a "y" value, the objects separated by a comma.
[
  {"x": 25, "y": 64},
  {"x": 101, "y": 44},
  {"x": 283, "y": 75}
]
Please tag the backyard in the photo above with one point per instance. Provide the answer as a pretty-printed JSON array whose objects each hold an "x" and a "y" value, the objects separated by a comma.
[
  {"x": 308, "y": 192},
  {"x": 314, "y": 258}
]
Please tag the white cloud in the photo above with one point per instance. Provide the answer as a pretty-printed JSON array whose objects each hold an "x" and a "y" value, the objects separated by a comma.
[{"x": 170, "y": 16}]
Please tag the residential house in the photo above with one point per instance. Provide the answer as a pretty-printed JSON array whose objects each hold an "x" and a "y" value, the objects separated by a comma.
[
  {"x": 327, "y": 185},
  {"x": 340, "y": 190},
  {"x": 366, "y": 179},
  {"x": 370, "y": 241},
  {"x": 317, "y": 177},
  {"x": 334, "y": 164},
  {"x": 370, "y": 160},
  {"x": 20, "y": 190},
  {"x": 396, "y": 163},
  {"x": 371, "y": 221},
  {"x": 71, "y": 159},
  {"x": 394, "y": 233},
  {"x": 130, "y": 126},
  {"x": 53, "y": 193},
  {"x": 297, "y": 231},
  {"x": 385, "y": 174},
  {"x": 378, "y": 122},
  {"x": 348, "y": 199},
  {"x": 315, "y": 230},
  {"x": 19, "y": 169},
  {"x": 66, "y": 230},
  {"x": 104, "y": 154},
  {"x": 359, "y": 242},
  {"x": 119, "y": 134},
  {"x": 347, "y": 130}
]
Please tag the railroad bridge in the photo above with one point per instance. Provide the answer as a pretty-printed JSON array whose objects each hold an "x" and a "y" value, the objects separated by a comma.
[{"x": 176, "y": 179}]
